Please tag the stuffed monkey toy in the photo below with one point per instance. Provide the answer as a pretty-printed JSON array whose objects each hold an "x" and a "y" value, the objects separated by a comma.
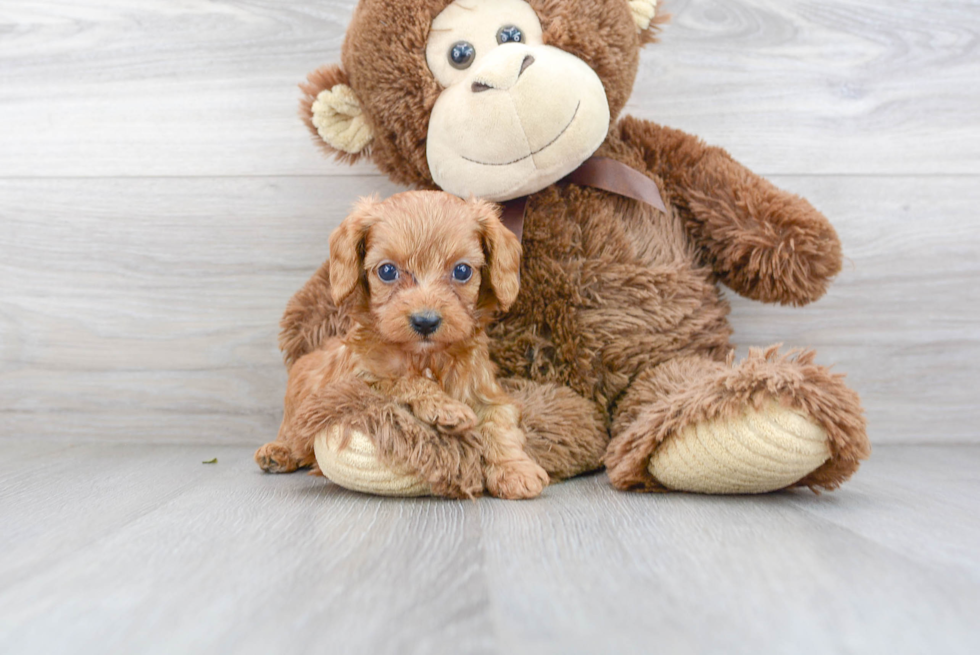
[{"x": 617, "y": 348}]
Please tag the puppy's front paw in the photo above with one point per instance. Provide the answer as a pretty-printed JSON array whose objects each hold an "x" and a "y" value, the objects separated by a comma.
[
  {"x": 516, "y": 480},
  {"x": 275, "y": 457},
  {"x": 446, "y": 416}
]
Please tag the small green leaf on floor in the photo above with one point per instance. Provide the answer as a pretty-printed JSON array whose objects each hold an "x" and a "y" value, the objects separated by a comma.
[{"x": 211, "y": 461}]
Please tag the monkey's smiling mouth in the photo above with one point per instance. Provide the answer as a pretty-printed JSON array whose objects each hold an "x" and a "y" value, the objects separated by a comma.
[{"x": 531, "y": 154}]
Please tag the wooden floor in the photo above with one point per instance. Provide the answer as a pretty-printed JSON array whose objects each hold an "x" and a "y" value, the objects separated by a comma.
[{"x": 115, "y": 548}]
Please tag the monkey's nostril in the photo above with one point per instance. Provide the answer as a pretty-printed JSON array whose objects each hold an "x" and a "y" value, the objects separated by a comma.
[
  {"x": 525, "y": 64},
  {"x": 480, "y": 87},
  {"x": 425, "y": 323}
]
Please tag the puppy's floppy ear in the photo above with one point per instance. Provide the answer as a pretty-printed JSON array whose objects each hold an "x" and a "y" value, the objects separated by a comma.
[
  {"x": 347, "y": 248},
  {"x": 503, "y": 253},
  {"x": 333, "y": 114}
]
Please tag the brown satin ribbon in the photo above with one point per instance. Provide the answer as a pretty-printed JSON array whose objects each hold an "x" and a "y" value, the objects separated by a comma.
[
  {"x": 599, "y": 173},
  {"x": 513, "y": 215}
]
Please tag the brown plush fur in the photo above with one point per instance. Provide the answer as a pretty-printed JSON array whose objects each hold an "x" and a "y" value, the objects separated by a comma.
[
  {"x": 727, "y": 390},
  {"x": 442, "y": 373},
  {"x": 619, "y": 302},
  {"x": 565, "y": 434}
]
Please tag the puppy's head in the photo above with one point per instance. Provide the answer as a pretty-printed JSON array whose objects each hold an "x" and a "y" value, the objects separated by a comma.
[{"x": 432, "y": 268}]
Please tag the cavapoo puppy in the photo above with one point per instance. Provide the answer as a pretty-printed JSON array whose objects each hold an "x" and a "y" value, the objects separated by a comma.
[{"x": 422, "y": 275}]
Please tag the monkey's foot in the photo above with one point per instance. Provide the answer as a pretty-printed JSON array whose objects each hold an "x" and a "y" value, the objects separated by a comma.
[
  {"x": 767, "y": 423},
  {"x": 762, "y": 450},
  {"x": 357, "y": 466}
]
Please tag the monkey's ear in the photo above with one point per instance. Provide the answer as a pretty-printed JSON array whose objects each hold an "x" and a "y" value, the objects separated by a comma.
[
  {"x": 333, "y": 113},
  {"x": 647, "y": 20},
  {"x": 503, "y": 253},
  {"x": 347, "y": 248},
  {"x": 643, "y": 12}
]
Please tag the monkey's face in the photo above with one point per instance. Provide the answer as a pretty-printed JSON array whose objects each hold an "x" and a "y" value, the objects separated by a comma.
[
  {"x": 515, "y": 115},
  {"x": 494, "y": 98}
]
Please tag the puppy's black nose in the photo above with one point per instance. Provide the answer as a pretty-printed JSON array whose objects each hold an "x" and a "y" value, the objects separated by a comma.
[{"x": 425, "y": 323}]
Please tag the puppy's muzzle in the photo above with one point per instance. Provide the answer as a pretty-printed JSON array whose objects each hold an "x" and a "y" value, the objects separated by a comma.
[{"x": 425, "y": 323}]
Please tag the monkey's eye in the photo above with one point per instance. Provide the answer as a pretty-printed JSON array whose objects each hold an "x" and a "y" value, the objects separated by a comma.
[
  {"x": 388, "y": 272},
  {"x": 461, "y": 55},
  {"x": 510, "y": 34},
  {"x": 462, "y": 273}
]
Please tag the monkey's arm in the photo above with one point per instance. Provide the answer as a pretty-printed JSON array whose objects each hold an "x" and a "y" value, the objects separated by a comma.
[
  {"x": 311, "y": 317},
  {"x": 764, "y": 243}
]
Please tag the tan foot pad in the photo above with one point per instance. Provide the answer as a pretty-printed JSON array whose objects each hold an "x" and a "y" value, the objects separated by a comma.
[
  {"x": 356, "y": 467},
  {"x": 762, "y": 450}
]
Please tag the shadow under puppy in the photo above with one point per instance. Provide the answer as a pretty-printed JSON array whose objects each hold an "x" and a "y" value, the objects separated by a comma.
[{"x": 423, "y": 273}]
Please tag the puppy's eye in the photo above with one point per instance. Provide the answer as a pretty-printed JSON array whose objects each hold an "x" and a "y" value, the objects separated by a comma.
[
  {"x": 510, "y": 34},
  {"x": 462, "y": 273},
  {"x": 461, "y": 55},
  {"x": 388, "y": 272}
]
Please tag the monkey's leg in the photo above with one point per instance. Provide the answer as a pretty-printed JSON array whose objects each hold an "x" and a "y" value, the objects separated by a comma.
[
  {"x": 565, "y": 433},
  {"x": 767, "y": 423}
]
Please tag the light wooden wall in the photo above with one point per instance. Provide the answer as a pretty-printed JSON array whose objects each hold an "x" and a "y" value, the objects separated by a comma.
[{"x": 160, "y": 201}]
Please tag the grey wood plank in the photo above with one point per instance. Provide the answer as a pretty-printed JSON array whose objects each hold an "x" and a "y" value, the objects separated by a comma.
[
  {"x": 687, "y": 574},
  {"x": 18, "y": 452},
  {"x": 229, "y": 560},
  {"x": 136, "y": 307},
  {"x": 251, "y": 425},
  {"x": 809, "y": 87},
  {"x": 148, "y": 308},
  {"x": 201, "y": 88},
  {"x": 921, "y": 502},
  {"x": 66, "y": 499}
]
